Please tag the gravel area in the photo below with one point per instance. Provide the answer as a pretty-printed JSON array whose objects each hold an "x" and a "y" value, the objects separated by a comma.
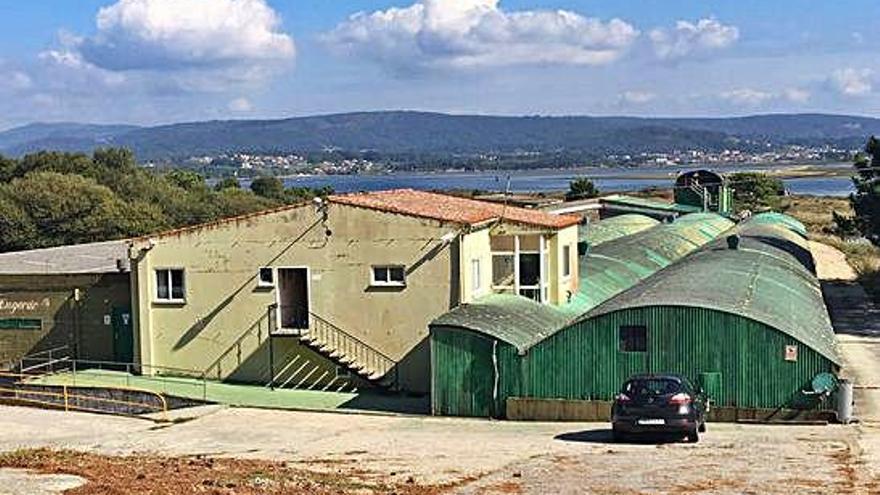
[{"x": 447, "y": 455}]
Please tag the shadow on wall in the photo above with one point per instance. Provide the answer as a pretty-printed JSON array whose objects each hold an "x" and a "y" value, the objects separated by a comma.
[
  {"x": 242, "y": 349},
  {"x": 197, "y": 327}
]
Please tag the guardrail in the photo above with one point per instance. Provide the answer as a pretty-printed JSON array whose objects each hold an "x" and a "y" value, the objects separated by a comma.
[{"x": 70, "y": 397}]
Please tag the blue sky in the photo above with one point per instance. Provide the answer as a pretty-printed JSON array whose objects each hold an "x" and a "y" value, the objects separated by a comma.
[{"x": 158, "y": 61}]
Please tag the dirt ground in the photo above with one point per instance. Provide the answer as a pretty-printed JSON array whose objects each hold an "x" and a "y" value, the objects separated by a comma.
[
  {"x": 831, "y": 263},
  {"x": 261, "y": 451}
]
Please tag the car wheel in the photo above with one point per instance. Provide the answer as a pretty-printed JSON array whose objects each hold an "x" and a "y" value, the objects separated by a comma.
[
  {"x": 702, "y": 428},
  {"x": 693, "y": 436},
  {"x": 617, "y": 436}
]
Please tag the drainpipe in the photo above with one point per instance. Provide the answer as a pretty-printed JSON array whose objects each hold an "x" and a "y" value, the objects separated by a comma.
[{"x": 495, "y": 368}]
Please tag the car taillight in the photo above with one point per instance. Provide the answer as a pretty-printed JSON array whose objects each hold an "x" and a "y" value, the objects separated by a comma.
[
  {"x": 623, "y": 398},
  {"x": 680, "y": 399}
]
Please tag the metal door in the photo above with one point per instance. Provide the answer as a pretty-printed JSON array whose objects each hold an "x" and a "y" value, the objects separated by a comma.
[{"x": 123, "y": 336}]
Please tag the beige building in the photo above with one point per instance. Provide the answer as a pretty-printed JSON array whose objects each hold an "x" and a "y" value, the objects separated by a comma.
[{"x": 336, "y": 293}]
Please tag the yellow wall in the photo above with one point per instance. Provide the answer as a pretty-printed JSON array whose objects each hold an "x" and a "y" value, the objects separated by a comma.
[
  {"x": 475, "y": 246},
  {"x": 223, "y": 301},
  {"x": 559, "y": 284}
]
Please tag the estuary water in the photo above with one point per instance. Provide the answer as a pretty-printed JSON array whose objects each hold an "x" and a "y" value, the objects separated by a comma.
[{"x": 606, "y": 179}]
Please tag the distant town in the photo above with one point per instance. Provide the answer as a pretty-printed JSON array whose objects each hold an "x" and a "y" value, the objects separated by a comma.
[{"x": 338, "y": 163}]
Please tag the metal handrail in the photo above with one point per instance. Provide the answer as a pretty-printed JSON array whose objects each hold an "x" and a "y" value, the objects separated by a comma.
[
  {"x": 235, "y": 345},
  {"x": 47, "y": 351},
  {"x": 68, "y": 405},
  {"x": 49, "y": 362},
  {"x": 352, "y": 337},
  {"x": 323, "y": 333}
]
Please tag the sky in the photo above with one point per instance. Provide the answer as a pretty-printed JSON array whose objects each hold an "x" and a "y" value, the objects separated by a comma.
[{"x": 150, "y": 62}]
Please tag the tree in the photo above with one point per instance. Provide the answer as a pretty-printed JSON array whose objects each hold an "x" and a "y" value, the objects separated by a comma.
[
  {"x": 17, "y": 230},
  {"x": 227, "y": 183},
  {"x": 268, "y": 187},
  {"x": 756, "y": 191},
  {"x": 71, "y": 209},
  {"x": 186, "y": 179},
  {"x": 7, "y": 168},
  {"x": 51, "y": 198},
  {"x": 114, "y": 158},
  {"x": 581, "y": 188},
  {"x": 866, "y": 200}
]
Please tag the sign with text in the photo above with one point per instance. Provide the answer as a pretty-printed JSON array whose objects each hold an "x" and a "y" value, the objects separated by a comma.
[{"x": 12, "y": 306}]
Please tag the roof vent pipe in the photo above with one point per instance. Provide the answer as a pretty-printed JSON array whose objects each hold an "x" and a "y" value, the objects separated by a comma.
[{"x": 733, "y": 241}]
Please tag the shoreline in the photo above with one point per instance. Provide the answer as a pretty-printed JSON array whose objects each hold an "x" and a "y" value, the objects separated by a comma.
[{"x": 782, "y": 171}]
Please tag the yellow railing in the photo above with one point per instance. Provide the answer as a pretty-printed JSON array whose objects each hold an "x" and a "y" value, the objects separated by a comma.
[{"x": 69, "y": 400}]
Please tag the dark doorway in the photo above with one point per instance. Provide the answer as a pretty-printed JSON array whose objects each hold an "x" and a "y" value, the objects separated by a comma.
[
  {"x": 123, "y": 338},
  {"x": 293, "y": 298}
]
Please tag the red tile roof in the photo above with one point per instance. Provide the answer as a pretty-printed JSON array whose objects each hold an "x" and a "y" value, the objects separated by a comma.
[{"x": 451, "y": 208}]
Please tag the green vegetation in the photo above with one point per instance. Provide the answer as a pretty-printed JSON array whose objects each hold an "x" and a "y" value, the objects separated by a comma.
[
  {"x": 819, "y": 215},
  {"x": 581, "y": 188},
  {"x": 866, "y": 200},
  {"x": 756, "y": 191},
  {"x": 51, "y": 198}
]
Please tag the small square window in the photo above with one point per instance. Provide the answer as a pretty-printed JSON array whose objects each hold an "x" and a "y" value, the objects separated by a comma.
[
  {"x": 266, "y": 277},
  {"x": 388, "y": 276},
  {"x": 170, "y": 285},
  {"x": 634, "y": 338}
]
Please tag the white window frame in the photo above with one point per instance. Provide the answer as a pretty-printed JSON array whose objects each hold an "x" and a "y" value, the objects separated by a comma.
[
  {"x": 276, "y": 277},
  {"x": 263, "y": 283},
  {"x": 543, "y": 286},
  {"x": 566, "y": 261},
  {"x": 476, "y": 276},
  {"x": 387, "y": 283},
  {"x": 170, "y": 299}
]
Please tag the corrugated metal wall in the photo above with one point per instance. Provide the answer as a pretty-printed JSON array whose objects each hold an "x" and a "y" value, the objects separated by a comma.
[
  {"x": 583, "y": 361},
  {"x": 463, "y": 373}
]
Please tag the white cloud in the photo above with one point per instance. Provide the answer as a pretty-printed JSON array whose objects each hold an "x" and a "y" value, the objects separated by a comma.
[
  {"x": 852, "y": 82},
  {"x": 478, "y": 33},
  {"x": 240, "y": 105},
  {"x": 638, "y": 97},
  {"x": 687, "y": 38},
  {"x": 752, "y": 97},
  {"x": 796, "y": 95},
  {"x": 186, "y": 34},
  {"x": 15, "y": 81},
  {"x": 747, "y": 96}
]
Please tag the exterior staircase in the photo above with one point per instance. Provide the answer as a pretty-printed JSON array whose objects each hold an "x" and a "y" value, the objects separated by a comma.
[
  {"x": 361, "y": 364},
  {"x": 347, "y": 351}
]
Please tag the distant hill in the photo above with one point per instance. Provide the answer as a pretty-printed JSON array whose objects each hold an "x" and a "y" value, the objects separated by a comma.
[
  {"x": 59, "y": 136},
  {"x": 434, "y": 133}
]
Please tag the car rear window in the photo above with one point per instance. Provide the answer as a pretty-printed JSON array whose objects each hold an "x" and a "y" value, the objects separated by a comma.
[{"x": 652, "y": 386}]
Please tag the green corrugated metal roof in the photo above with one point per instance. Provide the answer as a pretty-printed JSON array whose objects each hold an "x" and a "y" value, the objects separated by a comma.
[
  {"x": 617, "y": 265},
  {"x": 773, "y": 218},
  {"x": 514, "y": 319},
  {"x": 613, "y": 228},
  {"x": 762, "y": 281},
  {"x": 605, "y": 271},
  {"x": 637, "y": 202}
]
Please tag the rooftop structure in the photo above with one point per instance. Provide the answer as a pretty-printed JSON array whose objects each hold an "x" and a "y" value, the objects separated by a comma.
[
  {"x": 452, "y": 209},
  {"x": 95, "y": 258}
]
